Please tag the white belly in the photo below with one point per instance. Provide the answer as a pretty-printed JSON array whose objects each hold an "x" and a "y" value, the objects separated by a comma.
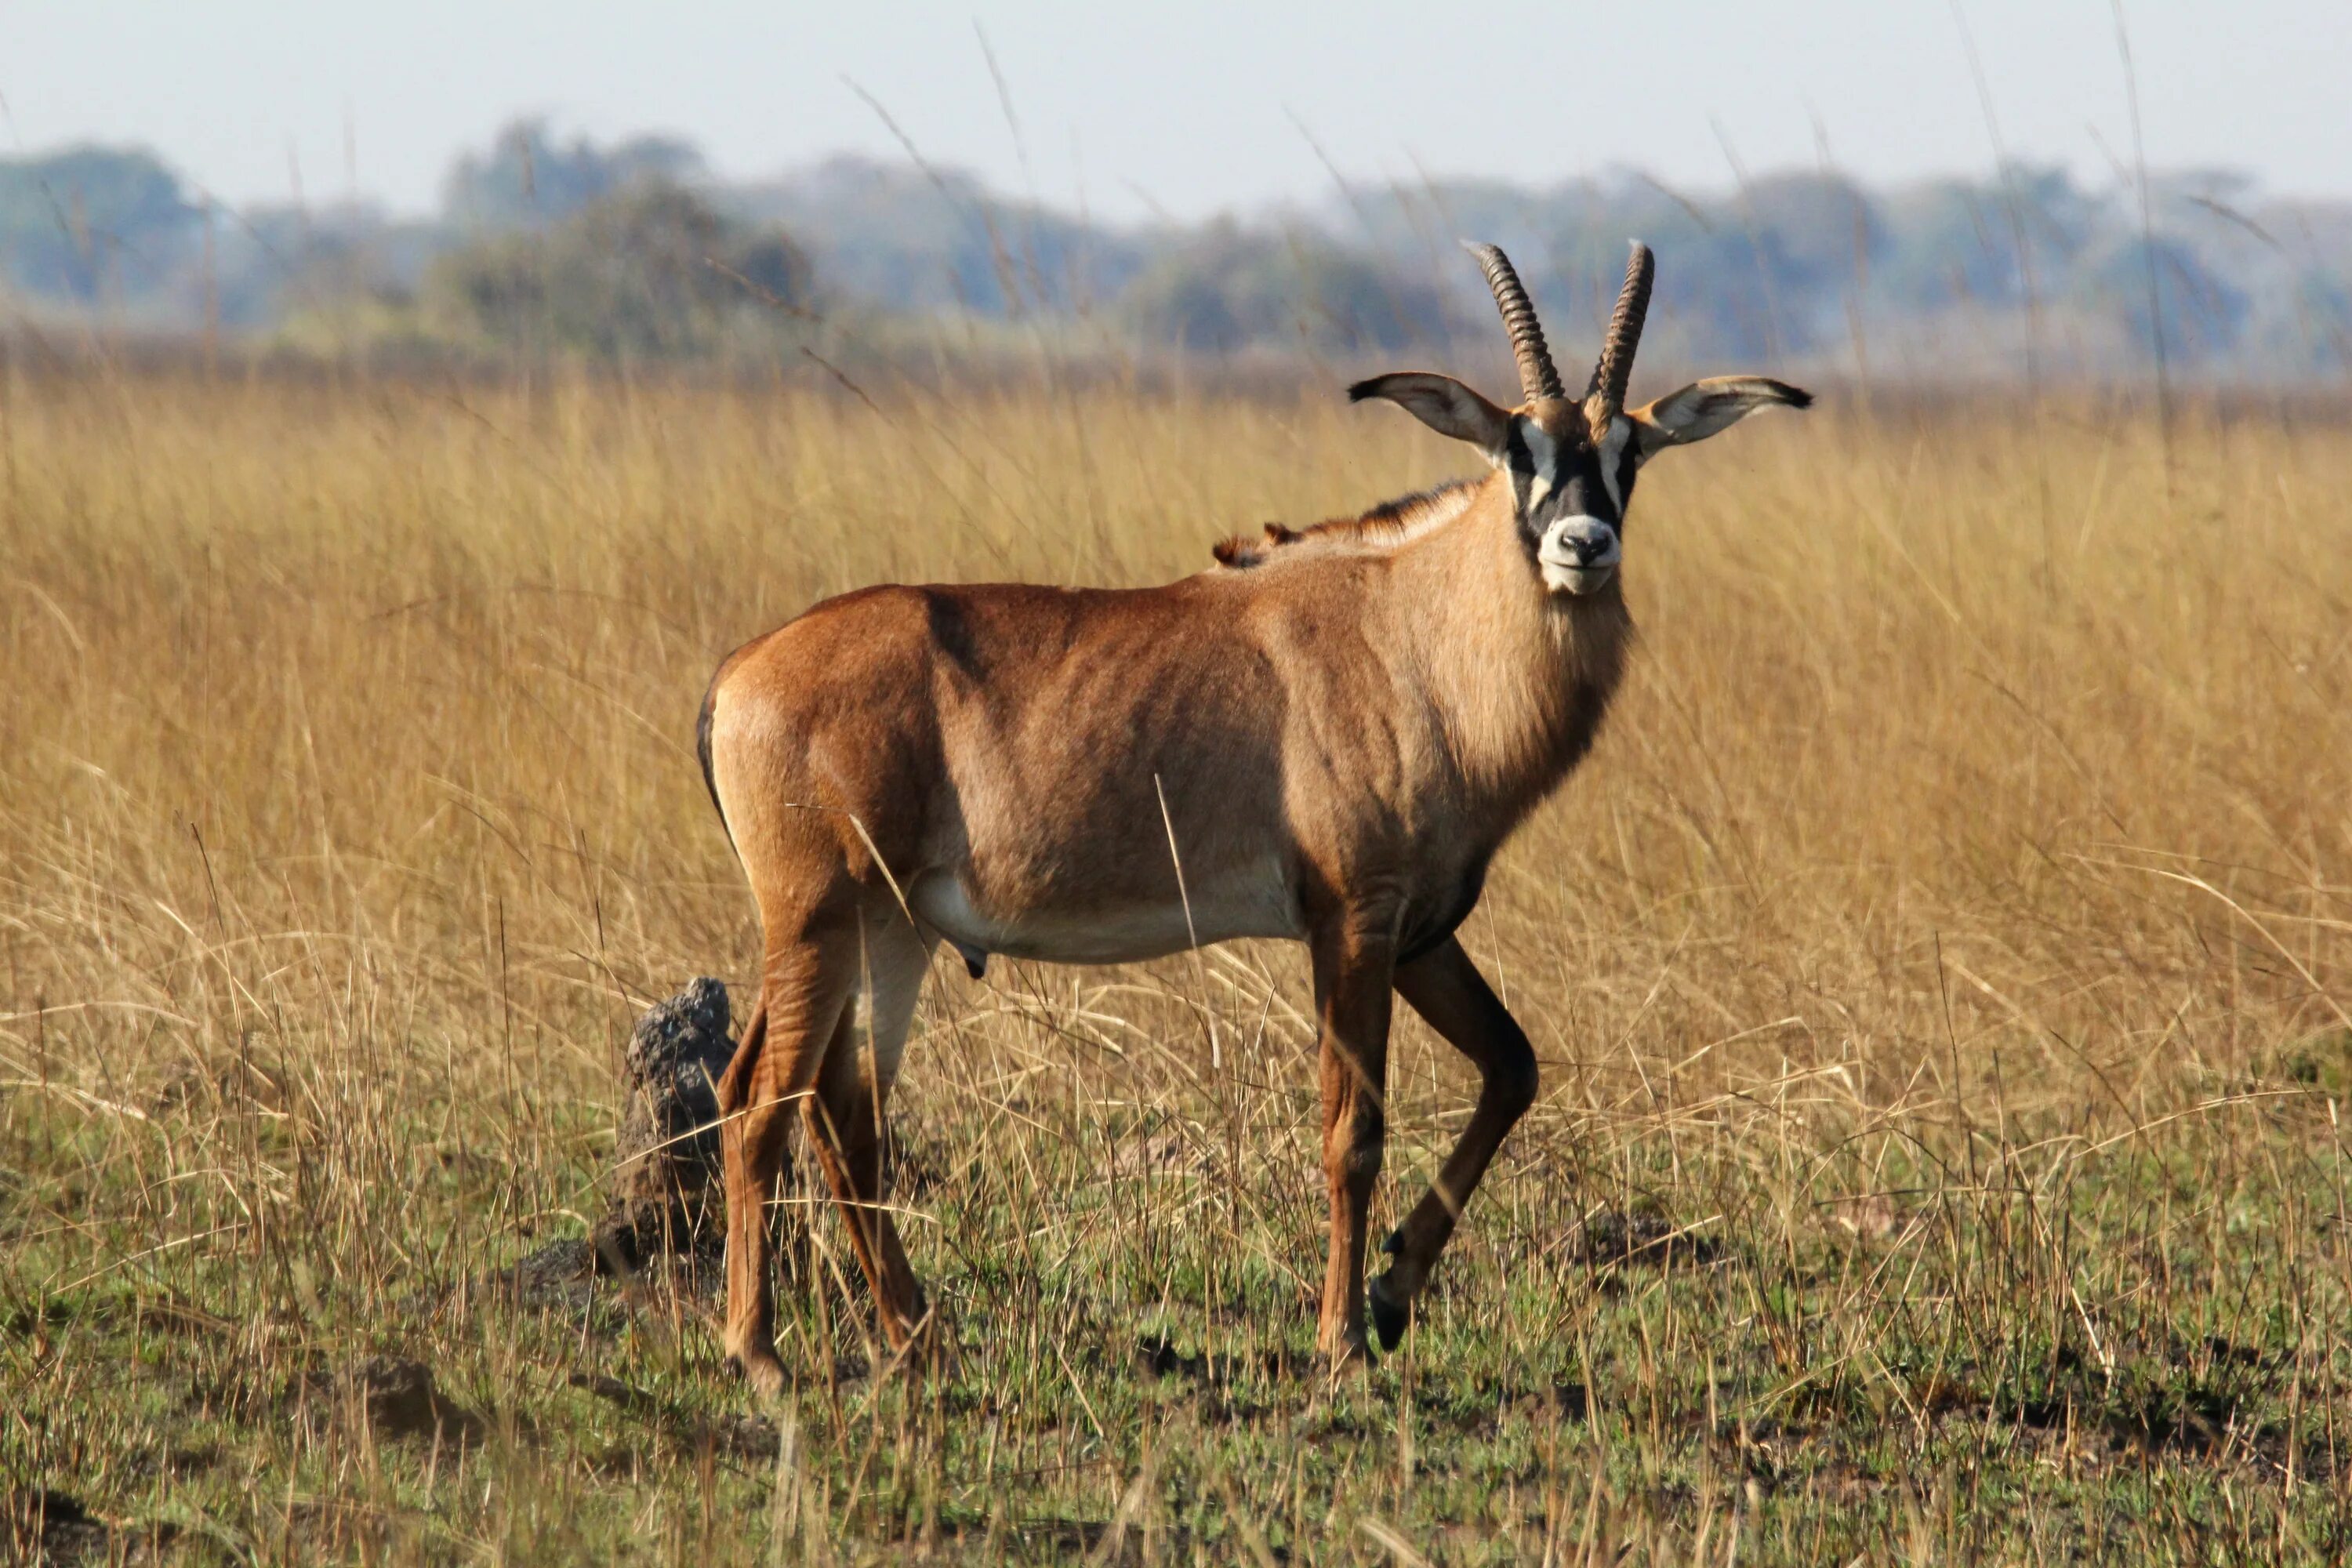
[{"x": 1256, "y": 904}]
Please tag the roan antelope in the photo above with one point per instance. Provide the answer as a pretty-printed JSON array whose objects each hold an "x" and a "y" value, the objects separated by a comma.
[{"x": 1338, "y": 727}]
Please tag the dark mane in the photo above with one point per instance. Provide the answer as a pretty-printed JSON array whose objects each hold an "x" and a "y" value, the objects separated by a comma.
[{"x": 1390, "y": 523}]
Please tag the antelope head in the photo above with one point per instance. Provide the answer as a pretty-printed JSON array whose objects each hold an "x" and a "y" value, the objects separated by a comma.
[{"x": 1571, "y": 464}]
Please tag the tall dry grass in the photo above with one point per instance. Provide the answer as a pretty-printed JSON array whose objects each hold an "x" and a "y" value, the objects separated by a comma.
[{"x": 1947, "y": 941}]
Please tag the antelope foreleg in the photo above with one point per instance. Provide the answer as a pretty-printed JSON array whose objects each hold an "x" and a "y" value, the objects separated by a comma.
[
  {"x": 1353, "y": 974},
  {"x": 1446, "y": 989}
]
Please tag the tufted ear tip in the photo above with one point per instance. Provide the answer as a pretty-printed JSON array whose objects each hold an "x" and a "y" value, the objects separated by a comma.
[{"x": 1363, "y": 389}]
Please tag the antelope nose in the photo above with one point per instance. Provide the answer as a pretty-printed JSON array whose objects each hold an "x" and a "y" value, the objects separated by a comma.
[
  {"x": 1585, "y": 541},
  {"x": 1578, "y": 553}
]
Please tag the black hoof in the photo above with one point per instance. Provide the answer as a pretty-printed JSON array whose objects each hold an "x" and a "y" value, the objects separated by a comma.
[{"x": 1390, "y": 1318}]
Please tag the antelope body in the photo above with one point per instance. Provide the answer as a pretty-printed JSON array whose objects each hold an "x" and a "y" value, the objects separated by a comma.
[{"x": 1325, "y": 738}]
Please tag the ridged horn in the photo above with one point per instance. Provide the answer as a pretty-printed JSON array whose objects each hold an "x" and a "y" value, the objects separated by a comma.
[
  {"x": 1616, "y": 366},
  {"x": 1537, "y": 376}
]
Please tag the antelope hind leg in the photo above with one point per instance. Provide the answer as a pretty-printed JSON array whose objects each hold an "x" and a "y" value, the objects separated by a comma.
[
  {"x": 775, "y": 1065},
  {"x": 846, "y": 1121}
]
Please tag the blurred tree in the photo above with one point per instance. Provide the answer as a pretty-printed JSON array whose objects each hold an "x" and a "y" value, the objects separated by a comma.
[
  {"x": 1228, "y": 288},
  {"x": 920, "y": 241},
  {"x": 528, "y": 180},
  {"x": 2202, "y": 314},
  {"x": 649, "y": 271},
  {"x": 604, "y": 248},
  {"x": 88, "y": 219}
]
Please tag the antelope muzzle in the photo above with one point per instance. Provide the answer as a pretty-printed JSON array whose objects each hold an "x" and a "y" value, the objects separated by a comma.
[{"x": 1578, "y": 554}]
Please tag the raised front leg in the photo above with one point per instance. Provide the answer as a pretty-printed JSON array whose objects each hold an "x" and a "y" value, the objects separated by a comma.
[
  {"x": 1354, "y": 966},
  {"x": 1446, "y": 989}
]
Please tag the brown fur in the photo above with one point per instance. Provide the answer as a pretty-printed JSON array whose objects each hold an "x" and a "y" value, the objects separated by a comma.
[
  {"x": 1331, "y": 734},
  {"x": 1349, "y": 733}
]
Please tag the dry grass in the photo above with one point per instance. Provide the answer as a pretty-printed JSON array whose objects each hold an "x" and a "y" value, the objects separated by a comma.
[{"x": 1951, "y": 944}]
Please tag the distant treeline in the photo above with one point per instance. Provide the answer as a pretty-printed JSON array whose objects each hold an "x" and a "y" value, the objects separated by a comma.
[{"x": 633, "y": 251}]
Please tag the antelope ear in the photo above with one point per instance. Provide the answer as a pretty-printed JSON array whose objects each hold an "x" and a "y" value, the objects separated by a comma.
[
  {"x": 1445, "y": 405},
  {"x": 1708, "y": 407}
]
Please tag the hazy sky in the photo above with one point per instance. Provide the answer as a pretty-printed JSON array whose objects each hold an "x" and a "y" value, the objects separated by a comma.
[{"x": 1193, "y": 107}]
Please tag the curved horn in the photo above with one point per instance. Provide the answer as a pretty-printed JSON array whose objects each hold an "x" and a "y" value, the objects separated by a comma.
[
  {"x": 1616, "y": 366},
  {"x": 1537, "y": 376}
]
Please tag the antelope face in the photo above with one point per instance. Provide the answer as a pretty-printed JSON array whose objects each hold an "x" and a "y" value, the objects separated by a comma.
[
  {"x": 1571, "y": 464},
  {"x": 1570, "y": 488}
]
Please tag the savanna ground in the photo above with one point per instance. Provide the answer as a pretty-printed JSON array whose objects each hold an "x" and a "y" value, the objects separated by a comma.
[{"x": 1940, "y": 971}]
